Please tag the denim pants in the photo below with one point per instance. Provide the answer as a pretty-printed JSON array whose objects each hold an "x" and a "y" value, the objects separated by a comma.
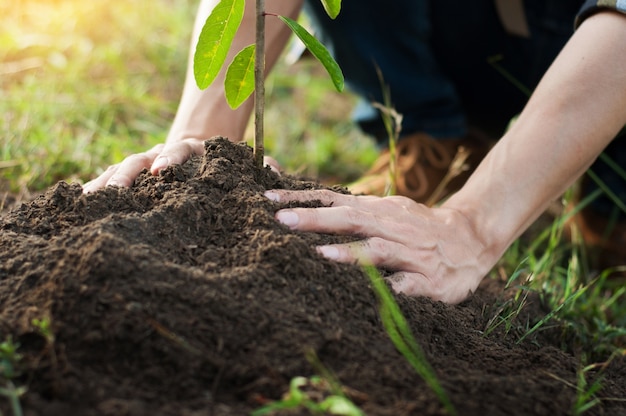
[
  {"x": 450, "y": 64},
  {"x": 447, "y": 63}
]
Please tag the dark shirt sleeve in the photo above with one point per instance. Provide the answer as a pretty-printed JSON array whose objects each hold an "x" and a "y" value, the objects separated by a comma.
[{"x": 591, "y": 7}]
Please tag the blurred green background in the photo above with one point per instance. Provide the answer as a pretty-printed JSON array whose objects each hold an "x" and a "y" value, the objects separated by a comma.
[{"x": 85, "y": 83}]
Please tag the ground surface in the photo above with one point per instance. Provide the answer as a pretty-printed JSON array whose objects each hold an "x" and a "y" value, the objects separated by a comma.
[{"x": 183, "y": 296}]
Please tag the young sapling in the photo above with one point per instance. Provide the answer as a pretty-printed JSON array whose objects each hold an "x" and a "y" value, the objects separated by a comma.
[{"x": 246, "y": 72}]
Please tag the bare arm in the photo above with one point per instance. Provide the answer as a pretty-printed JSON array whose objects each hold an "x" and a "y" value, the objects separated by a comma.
[
  {"x": 445, "y": 252},
  {"x": 203, "y": 114},
  {"x": 578, "y": 108}
]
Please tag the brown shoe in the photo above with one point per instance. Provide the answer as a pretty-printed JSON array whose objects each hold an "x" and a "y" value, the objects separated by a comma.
[{"x": 427, "y": 170}]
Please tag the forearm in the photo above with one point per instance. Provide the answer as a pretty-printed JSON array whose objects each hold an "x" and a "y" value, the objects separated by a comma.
[
  {"x": 576, "y": 110},
  {"x": 204, "y": 113}
]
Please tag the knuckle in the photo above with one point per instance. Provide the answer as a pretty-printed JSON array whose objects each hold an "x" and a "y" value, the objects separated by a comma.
[
  {"x": 326, "y": 196},
  {"x": 418, "y": 284},
  {"x": 355, "y": 218},
  {"x": 439, "y": 293},
  {"x": 396, "y": 199},
  {"x": 119, "y": 179},
  {"x": 437, "y": 289},
  {"x": 138, "y": 158},
  {"x": 379, "y": 248},
  {"x": 158, "y": 148},
  {"x": 402, "y": 203},
  {"x": 383, "y": 252}
]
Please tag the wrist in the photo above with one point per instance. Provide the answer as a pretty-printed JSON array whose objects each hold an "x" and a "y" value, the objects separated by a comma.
[
  {"x": 491, "y": 229},
  {"x": 203, "y": 114},
  {"x": 486, "y": 244}
]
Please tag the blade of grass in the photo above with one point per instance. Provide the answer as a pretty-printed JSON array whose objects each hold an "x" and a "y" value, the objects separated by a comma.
[
  {"x": 398, "y": 329},
  {"x": 605, "y": 188},
  {"x": 569, "y": 300}
]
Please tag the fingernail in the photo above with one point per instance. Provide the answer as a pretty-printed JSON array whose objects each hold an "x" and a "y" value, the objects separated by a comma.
[
  {"x": 272, "y": 196},
  {"x": 329, "y": 252},
  {"x": 160, "y": 163},
  {"x": 87, "y": 187},
  {"x": 289, "y": 218},
  {"x": 113, "y": 182}
]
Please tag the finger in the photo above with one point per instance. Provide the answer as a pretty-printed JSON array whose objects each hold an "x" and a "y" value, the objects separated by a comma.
[
  {"x": 372, "y": 203},
  {"x": 176, "y": 153},
  {"x": 409, "y": 283},
  {"x": 375, "y": 251},
  {"x": 101, "y": 181},
  {"x": 272, "y": 163},
  {"x": 392, "y": 256},
  {"x": 418, "y": 284},
  {"x": 348, "y": 220},
  {"x": 330, "y": 220},
  {"x": 125, "y": 172},
  {"x": 325, "y": 196},
  {"x": 128, "y": 170}
]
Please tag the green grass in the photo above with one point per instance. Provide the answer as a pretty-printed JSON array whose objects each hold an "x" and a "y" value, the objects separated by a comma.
[
  {"x": 79, "y": 94},
  {"x": 552, "y": 262},
  {"x": 84, "y": 84}
]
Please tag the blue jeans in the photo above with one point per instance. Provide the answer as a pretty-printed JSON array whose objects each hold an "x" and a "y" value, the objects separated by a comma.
[{"x": 436, "y": 58}]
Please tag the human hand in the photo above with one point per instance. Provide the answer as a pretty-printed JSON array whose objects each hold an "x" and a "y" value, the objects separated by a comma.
[
  {"x": 155, "y": 159},
  {"x": 434, "y": 252}
]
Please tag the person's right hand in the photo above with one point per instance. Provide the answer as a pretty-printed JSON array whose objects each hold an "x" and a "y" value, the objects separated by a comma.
[
  {"x": 155, "y": 159},
  {"x": 434, "y": 252}
]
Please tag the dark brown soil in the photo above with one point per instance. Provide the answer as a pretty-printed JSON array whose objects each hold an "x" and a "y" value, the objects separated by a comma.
[{"x": 183, "y": 296}]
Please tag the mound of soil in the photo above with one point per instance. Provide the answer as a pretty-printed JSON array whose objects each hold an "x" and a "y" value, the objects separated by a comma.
[{"x": 183, "y": 296}]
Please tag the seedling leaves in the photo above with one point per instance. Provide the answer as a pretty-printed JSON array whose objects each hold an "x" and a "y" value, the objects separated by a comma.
[
  {"x": 239, "y": 82},
  {"x": 318, "y": 50},
  {"x": 332, "y": 7},
  {"x": 215, "y": 39}
]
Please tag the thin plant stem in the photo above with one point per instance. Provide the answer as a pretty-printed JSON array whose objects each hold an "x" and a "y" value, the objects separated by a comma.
[
  {"x": 13, "y": 394},
  {"x": 457, "y": 167},
  {"x": 392, "y": 121},
  {"x": 259, "y": 82}
]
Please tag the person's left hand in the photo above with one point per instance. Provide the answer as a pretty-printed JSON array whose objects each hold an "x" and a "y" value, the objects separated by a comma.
[{"x": 434, "y": 252}]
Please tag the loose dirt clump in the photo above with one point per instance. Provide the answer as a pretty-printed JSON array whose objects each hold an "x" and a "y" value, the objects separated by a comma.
[{"x": 183, "y": 296}]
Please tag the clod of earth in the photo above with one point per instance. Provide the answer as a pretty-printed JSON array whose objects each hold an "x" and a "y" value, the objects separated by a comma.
[{"x": 183, "y": 296}]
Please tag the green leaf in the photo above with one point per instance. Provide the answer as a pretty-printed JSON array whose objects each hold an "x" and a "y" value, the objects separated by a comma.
[
  {"x": 239, "y": 82},
  {"x": 318, "y": 50},
  {"x": 215, "y": 39},
  {"x": 294, "y": 388},
  {"x": 332, "y": 7}
]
